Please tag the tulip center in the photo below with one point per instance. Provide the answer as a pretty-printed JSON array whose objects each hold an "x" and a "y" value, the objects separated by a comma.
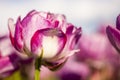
[{"x": 50, "y": 46}]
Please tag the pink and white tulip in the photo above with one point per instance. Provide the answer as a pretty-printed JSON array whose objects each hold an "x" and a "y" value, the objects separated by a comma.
[{"x": 46, "y": 35}]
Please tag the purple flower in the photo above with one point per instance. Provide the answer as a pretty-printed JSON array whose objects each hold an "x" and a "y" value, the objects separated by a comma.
[
  {"x": 114, "y": 34},
  {"x": 46, "y": 35}
]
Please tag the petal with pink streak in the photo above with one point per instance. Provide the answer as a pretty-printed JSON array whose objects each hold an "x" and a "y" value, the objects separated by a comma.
[
  {"x": 60, "y": 20},
  {"x": 57, "y": 20},
  {"x": 18, "y": 36},
  {"x": 11, "y": 28},
  {"x": 114, "y": 37},
  {"x": 50, "y": 40},
  {"x": 31, "y": 24},
  {"x": 76, "y": 36}
]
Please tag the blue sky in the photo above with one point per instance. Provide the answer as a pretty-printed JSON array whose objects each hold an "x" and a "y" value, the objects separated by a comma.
[{"x": 88, "y": 14}]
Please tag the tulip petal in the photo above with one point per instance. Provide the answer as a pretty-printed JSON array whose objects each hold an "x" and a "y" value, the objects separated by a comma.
[
  {"x": 57, "y": 21},
  {"x": 31, "y": 23},
  {"x": 62, "y": 22},
  {"x": 114, "y": 37},
  {"x": 76, "y": 36},
  {"x": 118, "y": 23},
  {"x": 18, "y": 36},
  {"x": 69, "y": 29},
  {"x": 55, "y": 65},
  {"x": 11, "y": 27},
  {"x": 50, "y": 40}
]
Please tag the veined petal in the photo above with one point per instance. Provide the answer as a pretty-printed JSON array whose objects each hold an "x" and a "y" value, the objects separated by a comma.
[
  {"x": 76, "y": 36},
  {"x": 114, "y": 37},
  {"x": 11, "y": 28},
  {"x": 57, "y": 21},
  {"x": 61, "y": 22},
  {"x": 18, "y": 36},
  {"x": 71, "y": 44},
  {"x": 118, "y": 23},
  {"x": 50, "y": 40},
  {"x": 28, "y": 16},
  {"x": 31, "y": 23}
]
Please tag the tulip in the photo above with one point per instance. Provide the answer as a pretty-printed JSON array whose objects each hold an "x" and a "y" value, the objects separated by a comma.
[
  {"x": 114, "y": 34},
  {"x": 48, "y": 37}
]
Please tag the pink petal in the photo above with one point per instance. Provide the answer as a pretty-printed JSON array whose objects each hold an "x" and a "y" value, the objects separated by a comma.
[
  {"x": 11, "y": 27},
  {"x": 18, "y": 36},
  {"x": 69, "y": 29},
  {"x": 57, "y": 21},
  {"x": 50, "y": 40},
  {"x": 76, "y": 36},
  {"x": 31, "y": 23},
  {"x": 61, "y": 22}
]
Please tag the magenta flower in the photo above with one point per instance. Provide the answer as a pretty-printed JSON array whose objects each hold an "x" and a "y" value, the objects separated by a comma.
[
  {"x": 114, "y": 34},
  {"x": 8, "y": 64},
  {"x": 46, "y": 35}
]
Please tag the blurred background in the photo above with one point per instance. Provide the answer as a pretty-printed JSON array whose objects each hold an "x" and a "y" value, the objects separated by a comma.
[
  {"x": 98, "y": 60},
  {"x": 89, "y": 14}
]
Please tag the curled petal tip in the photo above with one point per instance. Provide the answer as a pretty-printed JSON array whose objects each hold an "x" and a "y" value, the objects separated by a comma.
[
  {"x": 73, "y": 52},
  {"x": 11, "y": 23},
  {"x": 11, "y": 28},
  {"x": 118, "y": 22}
]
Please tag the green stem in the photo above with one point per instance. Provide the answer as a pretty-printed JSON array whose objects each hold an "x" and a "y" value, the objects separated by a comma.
[
  {"x": 38, "y": 66},
  {"x": 37, "y": 74}
]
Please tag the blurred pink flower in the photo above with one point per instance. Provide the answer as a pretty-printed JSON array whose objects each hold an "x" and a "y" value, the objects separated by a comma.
[
  {"x": 7, "y": 64},
  {"x": 96, "y": 47},
  {"x": 46, "y": 35},
  {"x": 98, "y": 53},
  {"x": 74, "y": 70}
]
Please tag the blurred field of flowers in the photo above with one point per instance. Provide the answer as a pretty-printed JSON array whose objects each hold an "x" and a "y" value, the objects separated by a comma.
[{"x": 97, "y": 59}]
